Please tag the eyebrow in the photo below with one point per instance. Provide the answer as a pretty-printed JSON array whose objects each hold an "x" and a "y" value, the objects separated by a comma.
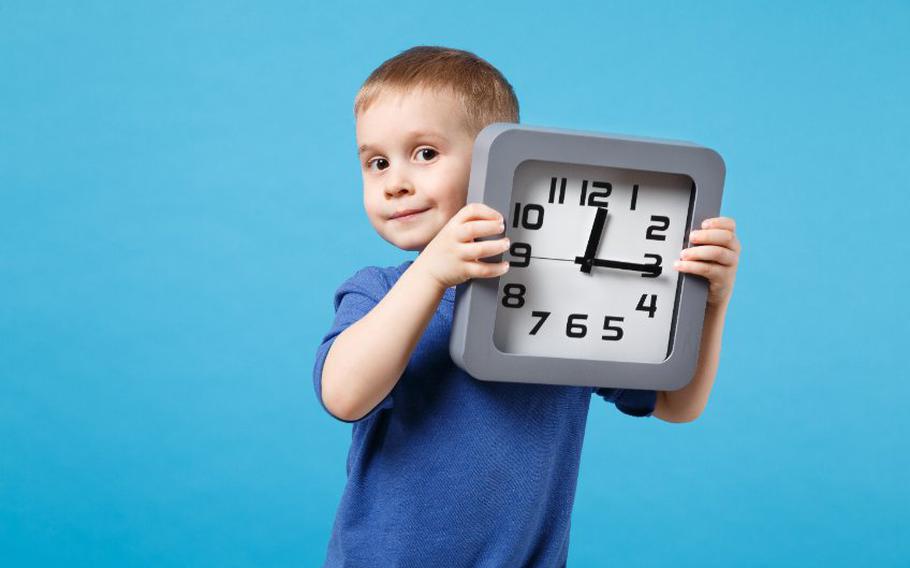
[{"x": 410, "y": 136}]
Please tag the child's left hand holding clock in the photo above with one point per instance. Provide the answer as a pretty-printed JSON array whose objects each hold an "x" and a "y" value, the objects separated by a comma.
[{"x": 714, "y": 256}]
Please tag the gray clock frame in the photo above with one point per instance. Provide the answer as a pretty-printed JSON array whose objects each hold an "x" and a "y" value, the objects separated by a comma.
[{"x": 498, "y": 151}]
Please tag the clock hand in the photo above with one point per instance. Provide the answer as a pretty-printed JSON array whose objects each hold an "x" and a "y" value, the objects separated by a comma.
[
  {"x": 648, "y": 268},
  {"x": 593, "y": 240}
]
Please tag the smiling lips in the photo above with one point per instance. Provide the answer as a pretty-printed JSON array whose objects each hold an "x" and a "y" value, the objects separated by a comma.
[{"x": 406, "y": 214}]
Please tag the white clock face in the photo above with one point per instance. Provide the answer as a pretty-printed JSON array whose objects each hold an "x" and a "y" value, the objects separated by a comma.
[{"x": 591, "y": 259}]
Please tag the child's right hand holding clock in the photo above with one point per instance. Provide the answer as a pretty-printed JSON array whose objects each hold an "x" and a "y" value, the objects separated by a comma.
[{"x": 452, "y": 257}]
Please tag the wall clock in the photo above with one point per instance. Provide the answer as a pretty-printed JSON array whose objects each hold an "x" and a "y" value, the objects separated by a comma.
[{"x": 595, "y": 222}]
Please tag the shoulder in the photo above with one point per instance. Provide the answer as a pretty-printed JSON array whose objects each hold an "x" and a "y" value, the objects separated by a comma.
[
  {"x": 371, "y": 281},
  {"x": 382, "y": 276}
]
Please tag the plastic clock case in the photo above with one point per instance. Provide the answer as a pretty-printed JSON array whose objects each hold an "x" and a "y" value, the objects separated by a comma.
[{"x": 498, "y": 151}]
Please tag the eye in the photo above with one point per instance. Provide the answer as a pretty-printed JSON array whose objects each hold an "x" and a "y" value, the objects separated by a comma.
[
  {"x": 427, "y": 153},
  {"x": 380, "y": 163}
]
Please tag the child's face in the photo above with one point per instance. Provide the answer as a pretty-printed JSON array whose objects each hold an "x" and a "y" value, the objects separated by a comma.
[{"x": 415, "y": 154}]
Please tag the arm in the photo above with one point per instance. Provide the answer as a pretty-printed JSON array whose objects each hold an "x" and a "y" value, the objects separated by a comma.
[
  {"x": 716, "y": 259},
  {"x": 368, "y": 358},
  {"x": 687, "y": 403}
]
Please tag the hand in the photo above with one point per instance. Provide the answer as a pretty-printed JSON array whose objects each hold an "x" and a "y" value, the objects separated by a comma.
[
  {"x": 715, "y": 258},
  {"x": 452, "y": 256},
  {"x": 600, "y": 218},
  {"x": 654, "y": 269}
]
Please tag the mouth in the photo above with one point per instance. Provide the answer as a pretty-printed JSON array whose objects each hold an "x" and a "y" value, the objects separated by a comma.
[{"x": 406, "y": 214}]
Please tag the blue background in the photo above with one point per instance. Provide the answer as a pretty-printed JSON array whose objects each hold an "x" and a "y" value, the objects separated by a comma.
[{"x": 179, "y": 198}]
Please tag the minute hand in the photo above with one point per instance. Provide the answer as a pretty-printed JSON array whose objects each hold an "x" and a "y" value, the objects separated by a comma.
[{"x": 650, "y": 268}]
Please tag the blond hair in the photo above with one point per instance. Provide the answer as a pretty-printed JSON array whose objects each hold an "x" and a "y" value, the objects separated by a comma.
[{"x": 483, "y": 91}]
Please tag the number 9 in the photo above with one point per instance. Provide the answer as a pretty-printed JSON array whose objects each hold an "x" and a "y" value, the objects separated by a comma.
[{"x": 520, "y": 250}]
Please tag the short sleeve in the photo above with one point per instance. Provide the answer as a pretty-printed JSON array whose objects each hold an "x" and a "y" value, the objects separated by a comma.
[
  {"x": 353, "y": 300},
  {"x": 633, "y": 402}
]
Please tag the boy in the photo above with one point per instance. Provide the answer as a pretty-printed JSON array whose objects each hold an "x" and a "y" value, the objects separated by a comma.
[{"x": 444, "y": 469}]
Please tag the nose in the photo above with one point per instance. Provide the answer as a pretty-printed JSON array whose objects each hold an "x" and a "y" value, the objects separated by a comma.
[{"x": 398, "y": 184}]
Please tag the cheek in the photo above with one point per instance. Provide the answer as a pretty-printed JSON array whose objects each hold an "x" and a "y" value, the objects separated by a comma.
[
  {"x": 371, "y": 205},
  {"x": 460, "y": 192},
  {"x": 457, "y": 184}
]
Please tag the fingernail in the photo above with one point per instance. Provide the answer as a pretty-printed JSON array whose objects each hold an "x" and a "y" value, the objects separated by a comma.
[
  {"x": 704, "y": 223},
  {"x": 677, "y": 264}
]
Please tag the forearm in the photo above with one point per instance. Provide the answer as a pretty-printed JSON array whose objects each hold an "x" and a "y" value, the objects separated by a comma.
[
  {"x": 687, "y": 403},
  {"x": 366, "y": 360}
]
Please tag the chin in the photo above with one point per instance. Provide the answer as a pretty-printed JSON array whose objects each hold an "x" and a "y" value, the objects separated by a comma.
[
  {"x": 413, "y": 244},
  {"x": 417, "y": 246}
]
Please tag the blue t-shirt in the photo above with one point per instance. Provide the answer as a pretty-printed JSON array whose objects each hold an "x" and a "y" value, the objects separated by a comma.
[{"x": 449, "y": 470}]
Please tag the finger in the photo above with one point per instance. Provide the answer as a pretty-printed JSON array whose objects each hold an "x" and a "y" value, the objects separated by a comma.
[
  {"x": 734, "y": 245},
  {"x": 720, "y": 255},
  {"x": 719, "y": 223},
  {"x": 481, "y": 269},
  {"x": 467, "y": 232},
  {"x": 722, "y": 237},
  {"x": 483, "y": 249},
  {"x": 479, "y": 210},
  {"x": 707, "y": 270}
]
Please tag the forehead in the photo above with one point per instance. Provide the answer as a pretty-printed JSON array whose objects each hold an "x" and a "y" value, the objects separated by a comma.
[{"x": 395, "y": 114}]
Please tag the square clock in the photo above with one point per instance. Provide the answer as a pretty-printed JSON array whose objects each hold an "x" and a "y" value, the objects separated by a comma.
[{"x": 591, "y": 297}]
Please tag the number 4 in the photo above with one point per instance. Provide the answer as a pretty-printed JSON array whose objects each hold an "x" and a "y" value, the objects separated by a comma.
[{"x": 650, "y": 307}]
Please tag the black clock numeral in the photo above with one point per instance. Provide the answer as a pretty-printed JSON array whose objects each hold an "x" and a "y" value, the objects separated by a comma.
[
  {"x": 574, "y": 329},
  {"x": 657, "y": 260},
  {"x": 634, "y": 196},
  {"x": 650, "y": 307},
  {"x": 543, "y": 317},
  {"x": 575, "y": 323},
  {"x": 514, "y": 295},
  {"x": 562, "y": 190},
  {"x": 617, "y": 331},
  {"x": 523, "y": 251},
  {"x": 593, "y": 200},
  {"x": 524, "y": 214},
  {"x": 662, "y": 224}
]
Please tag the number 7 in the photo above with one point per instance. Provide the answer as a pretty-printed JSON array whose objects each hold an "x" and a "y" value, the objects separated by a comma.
[{"x": 543, "y": 317}]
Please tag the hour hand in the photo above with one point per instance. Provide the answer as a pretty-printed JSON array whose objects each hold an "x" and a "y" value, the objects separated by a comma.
[{"x": 600, "y": 218}]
